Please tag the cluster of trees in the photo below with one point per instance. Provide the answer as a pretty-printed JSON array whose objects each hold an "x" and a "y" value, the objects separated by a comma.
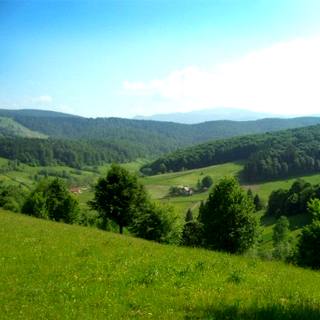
[
  {"x": 122, "y": 199},
  {"x": 11, "y": 197},
  {"x": 308, "y": 254},
  {"x": 11, "y": 165},
  {"x": 257, "y": 201},
  {"x": 292, "y": 201},
  {"x": 226, "y": 221},
  {"x": 52, "y": 200},
  {"x": 205, "y": 183},
  {"x": 269, "y": 156}
]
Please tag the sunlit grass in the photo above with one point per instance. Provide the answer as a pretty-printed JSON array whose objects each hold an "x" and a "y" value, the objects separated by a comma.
[{"x": 55, "y": 271}]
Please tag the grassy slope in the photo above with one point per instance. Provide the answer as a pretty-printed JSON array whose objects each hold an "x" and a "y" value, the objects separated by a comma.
[
  {"x": 55, "y": 271},
  {"x": 19, "y": 130}
]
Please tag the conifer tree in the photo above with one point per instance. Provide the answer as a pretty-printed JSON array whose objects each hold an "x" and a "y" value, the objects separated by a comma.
[{"x": 189, "y": 216}]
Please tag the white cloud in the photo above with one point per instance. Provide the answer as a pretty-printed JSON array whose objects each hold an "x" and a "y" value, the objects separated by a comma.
[
  {"x": 282, "y": 79},
  {"x": 43, "y": 99}
]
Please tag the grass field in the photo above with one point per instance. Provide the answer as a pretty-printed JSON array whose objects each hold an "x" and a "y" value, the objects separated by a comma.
[{"x": 51, "y": 270}]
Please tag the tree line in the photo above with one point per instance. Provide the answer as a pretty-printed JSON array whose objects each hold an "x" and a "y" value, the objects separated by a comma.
[{"x": 294, "y": 200}]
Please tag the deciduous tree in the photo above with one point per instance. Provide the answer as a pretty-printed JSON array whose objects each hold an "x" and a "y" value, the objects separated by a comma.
[
  {"x": 308, "y": 254},
  {"x": 52, "y": 200},
  {"x": 157, "y": 222},
  {"x": 118, "y": 196},
  {"x": 229, "y": 220}
]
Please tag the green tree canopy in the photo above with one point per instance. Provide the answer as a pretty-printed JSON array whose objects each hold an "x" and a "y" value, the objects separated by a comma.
[
  {"x": 157, "y": 222},
  {"x": 308, "y": 254},
  {"x": 281, "y": 239},
  {"x": 52, "y": 200},
  {"x": 192, "y": 234},
  {"x": 207, "y": 182},
  {"x": 281, "y": 231},
  {"x": 118, "y": 196},
  {"x": 229, "y": 221},
  {"x": 11, "y": 197}
]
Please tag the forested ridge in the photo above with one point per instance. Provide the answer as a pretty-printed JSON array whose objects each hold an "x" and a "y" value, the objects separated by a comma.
[
  {"x": 269, "y": 156},
  {"x": 76, "y": 141},
  {"x": 165, "y": 136}
]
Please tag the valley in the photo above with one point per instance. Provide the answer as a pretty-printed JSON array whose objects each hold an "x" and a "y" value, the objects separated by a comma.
[{"x": 77, "y": 263}]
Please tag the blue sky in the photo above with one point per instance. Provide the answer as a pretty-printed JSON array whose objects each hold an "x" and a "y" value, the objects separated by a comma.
[{"x": 123, "y": 58}]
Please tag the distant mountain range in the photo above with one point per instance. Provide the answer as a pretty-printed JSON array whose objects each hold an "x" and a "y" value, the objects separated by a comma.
[{"x": 214, "y": 114}]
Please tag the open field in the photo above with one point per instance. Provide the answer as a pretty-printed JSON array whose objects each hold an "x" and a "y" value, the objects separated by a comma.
[{"x": 51, "y": 270}]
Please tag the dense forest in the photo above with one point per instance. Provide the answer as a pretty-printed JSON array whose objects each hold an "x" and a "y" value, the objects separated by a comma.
[
  {"x": 50, "y": 152},
  {"x": 269, "y": 156},
  {"x": 163, "y": 136},
  {"x": 75, "y": 141}
]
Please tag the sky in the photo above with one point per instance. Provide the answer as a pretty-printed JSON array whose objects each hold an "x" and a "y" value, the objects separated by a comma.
[{"x": 121, "y": 58}]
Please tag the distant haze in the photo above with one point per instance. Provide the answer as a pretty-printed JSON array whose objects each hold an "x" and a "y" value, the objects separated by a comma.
[{"x": 213, "y": 114}]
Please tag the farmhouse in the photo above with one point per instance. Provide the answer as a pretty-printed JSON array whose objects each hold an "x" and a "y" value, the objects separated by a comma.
[{"x": 76, "y": 190}]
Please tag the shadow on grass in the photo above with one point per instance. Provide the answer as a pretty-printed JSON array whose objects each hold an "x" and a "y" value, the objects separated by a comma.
[
  {"x": 296, "y": 221},
  {"x": 267, "y": 220},
  {"x": 271, "y": 312}
]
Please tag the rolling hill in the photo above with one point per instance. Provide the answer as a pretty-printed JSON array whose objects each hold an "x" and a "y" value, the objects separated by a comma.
[
  {"x": 269, "y": 156},
  {"x": 10, "y": 128},
  {"x": 51, "y": 270},
  {"x": 158, "y": 137},
  {"x": 77, "y": 142}
]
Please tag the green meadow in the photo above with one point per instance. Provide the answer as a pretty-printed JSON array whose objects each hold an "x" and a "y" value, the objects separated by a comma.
[{"x": 51, "y": 270}]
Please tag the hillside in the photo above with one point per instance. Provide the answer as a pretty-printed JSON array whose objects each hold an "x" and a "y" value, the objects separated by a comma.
[
  {"x": 35, "y": 113},
  {"x": 63, "y": 126},
  {"x": 269, "y": 156},
  {"x": 10, "y": 128},
  {"x": 51, "y": 270},
  {"x": 156, "y": 133},
  {"x": 123, "y": 140}
]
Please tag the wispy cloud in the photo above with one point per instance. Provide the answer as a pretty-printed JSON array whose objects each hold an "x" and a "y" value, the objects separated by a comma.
[
  {"x": 43, "y": 99},
  {"x": 284, "y": 78}
]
